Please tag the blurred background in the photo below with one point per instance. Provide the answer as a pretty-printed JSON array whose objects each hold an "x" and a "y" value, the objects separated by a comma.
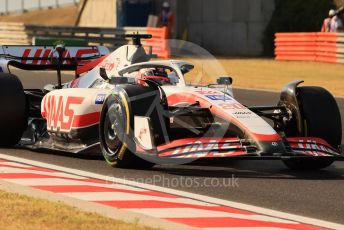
[
  {"x": 224, "y": 27},
  {"x": 265, "y": 41}
]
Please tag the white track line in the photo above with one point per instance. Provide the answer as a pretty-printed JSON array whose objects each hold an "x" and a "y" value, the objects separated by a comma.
[
  {"x": 193, "y": 213},
  {"x": 118, "y": 196},
  {"x": 58, "y": 181},
  {"x": 56, "y": 174},
  {"x": 264, "y": 211},
  {"x": 45, "y": 182}
]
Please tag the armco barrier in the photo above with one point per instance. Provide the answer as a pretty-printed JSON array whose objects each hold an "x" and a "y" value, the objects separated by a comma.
[
  {"x": 323, "y": 47},
  {"x": 21, "y": 34},
  {"x": 39, "y": 41}
]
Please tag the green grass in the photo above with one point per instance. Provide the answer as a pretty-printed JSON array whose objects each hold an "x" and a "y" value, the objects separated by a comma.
[{"x": 23, "y": 212}]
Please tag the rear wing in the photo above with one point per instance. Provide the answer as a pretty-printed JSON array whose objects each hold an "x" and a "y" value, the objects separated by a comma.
[{"x": 42, "y": 57}]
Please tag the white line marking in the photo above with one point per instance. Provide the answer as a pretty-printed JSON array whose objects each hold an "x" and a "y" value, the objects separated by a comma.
[
  {"x": 199, "y": 213},
  {"x": 45, "y": 182},
  {"x": 15, "y": 164},
  {"x": 56, "y": 174},
  {"x": 62, "y": 182},
  {"x": 123, "y": 196},
  {"x": 264, "y": 211}
]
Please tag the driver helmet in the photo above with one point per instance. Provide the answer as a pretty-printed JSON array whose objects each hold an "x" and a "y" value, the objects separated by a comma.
[
  {"x": 166, "y": 5},
  {"x": 158, "y": 75}
]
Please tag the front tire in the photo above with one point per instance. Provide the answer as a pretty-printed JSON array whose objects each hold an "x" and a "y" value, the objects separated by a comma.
[
  {"x": 117, "y": 125},
  {"x": 13, "y": 107},
  {"x": 320, "y": 117}
]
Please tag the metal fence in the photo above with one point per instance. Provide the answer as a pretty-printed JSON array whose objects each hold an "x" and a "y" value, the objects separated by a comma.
[
  {"x": 110, "y": 37},
  {"x": 17, "y": 6},
  {"x": 20, "y": 33}
]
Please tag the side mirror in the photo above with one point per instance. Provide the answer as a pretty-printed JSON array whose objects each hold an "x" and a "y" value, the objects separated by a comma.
[
  {"x": 224, "y": 81},
  {"x": 186, "y": 68}
]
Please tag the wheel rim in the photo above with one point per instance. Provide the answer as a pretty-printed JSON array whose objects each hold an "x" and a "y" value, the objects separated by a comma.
[{"x": 112, "y": 133}]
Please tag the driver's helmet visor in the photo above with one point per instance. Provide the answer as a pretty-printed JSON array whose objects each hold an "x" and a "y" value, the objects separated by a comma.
[{"x": 158, "y": 72}]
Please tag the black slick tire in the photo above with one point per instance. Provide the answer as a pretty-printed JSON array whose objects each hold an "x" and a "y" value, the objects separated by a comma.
[
  {"x": 320, "y": 118},
  {"x": 13, "y": 106}
]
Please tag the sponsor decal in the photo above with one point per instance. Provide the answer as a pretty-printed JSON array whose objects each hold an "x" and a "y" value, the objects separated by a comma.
[
  {"x": 221, "y": 97},
  {"x": 109, "y": 65},
  {"x": 313, "y": 148},
  {"x": 100, "y": 98},
  {"x": 232, "y": 105},
  {"x": 142, "y": 132},
  {"x": 213, "y": 146},
  {"x": 209, "y": 92},
  {"x": 59, "y": 113},
  {"x": 275, "y": 144},
  {"x": 243, "y": 113},
  {"x": 47, "y": 53}
]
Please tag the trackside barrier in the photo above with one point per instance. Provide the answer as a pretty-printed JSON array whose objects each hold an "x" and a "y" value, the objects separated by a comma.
[
  {"x": 13, "y": 34},
  {"x": 22, "y": 34},
  {"x": 159, "y": 42},
  {"x": 38, "y": 41},
  {"x": 322, "y": 47}
]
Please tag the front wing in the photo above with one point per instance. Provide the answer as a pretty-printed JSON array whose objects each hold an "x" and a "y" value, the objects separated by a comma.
[{"x": 205, "y": 147}]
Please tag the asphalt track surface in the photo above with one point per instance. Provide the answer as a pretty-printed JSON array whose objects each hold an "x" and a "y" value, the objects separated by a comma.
[{"x": 267, "y": 184}]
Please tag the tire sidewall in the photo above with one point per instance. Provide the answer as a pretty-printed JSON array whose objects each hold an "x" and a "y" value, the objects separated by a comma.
[{"x": 14, "y": 110}]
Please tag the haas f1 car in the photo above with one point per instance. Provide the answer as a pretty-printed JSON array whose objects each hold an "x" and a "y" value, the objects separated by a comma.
[{"x": 138, "y": 112}]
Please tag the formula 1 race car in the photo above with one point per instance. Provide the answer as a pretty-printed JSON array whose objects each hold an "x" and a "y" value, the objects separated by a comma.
[{"x": 138, "y": 112}]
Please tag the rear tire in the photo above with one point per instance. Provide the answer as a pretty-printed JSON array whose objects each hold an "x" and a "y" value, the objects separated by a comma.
[
  {"x": 320, "y": 118},
  {"x": 117, "y": 125},
  {"x": 13, "y": 106}
]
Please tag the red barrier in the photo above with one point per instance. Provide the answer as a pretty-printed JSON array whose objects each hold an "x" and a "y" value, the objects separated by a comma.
[
  {"x": 324, "y": 47},
  {"x": 158, "y": 42}
]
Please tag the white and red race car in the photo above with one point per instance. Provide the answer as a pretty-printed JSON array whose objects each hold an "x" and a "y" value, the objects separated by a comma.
[{"x": 138, "y": 112}]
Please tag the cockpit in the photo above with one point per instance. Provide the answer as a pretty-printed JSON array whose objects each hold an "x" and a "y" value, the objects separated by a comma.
[{"x": 163, "y": 72}]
